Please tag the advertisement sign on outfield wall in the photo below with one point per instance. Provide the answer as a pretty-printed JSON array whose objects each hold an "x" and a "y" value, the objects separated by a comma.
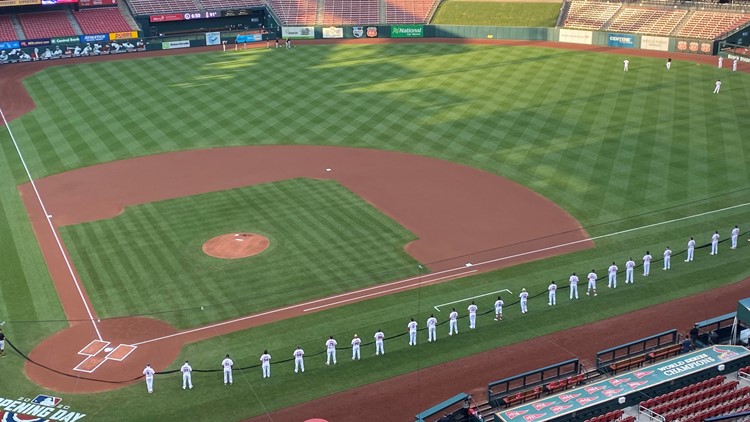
[
  {"x": 94, "y": 38},
  {"x": 65, "y": 40},
  {"x": 407, "y": 31},
  {"x": 123, "y": 35},
  {"x": 654, "y": 43},
  {"x": 249, "y": 38},
  {"x": 575, "y": 36},
  {"x": 175, "y": 44},
  {"x": 621, "y": 40},
  {"x": 90, "y": 3},
  {"x": 693, "y": 46},
  {"x": 7, "y": 3},
  {"x": 36, "y": 43},
  {"x": 213, "y": 38},
  {"x": 9, "y": 45},
  {"x": 333, "y": 32},
  {"x": 298, "y": 32}
]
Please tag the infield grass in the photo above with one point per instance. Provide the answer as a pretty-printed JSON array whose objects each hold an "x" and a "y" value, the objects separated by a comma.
[
  {"x": 617, "y": 150},
  {"x": 494, "y": 13}
]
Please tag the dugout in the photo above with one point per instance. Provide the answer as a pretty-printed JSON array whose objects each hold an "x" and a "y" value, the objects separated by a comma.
[
  {"x": 740, "y": 323},
  {"x": 497, "y": 391},
  {"x": 639, "y": 347}
]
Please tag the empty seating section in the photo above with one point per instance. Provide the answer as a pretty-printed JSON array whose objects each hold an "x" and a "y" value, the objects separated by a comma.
[
  {"x": 155, "y": 7},
  {"x": 46, "y": 25},
  {"x": 710, "y": 25},
  {"x": 408, "y": 11},
  {"x": 101, "y": 21},
  {"x": 607, "y": 417},
  {"x": 647, "y": 21},
  {"x": 347, "y": 12},
  {"x": 589, "y": 15},
  {"x": 7, "y": 33},
  {"x": 230, "y": 4},
  {"x": 295, "y": 12}
]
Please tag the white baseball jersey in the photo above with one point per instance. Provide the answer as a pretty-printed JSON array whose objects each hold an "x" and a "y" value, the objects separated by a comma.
[
  {"x": 552, "y": 288},
  {"x": 299, "y": 353},
  {"x": 331, "y": 344},
  {"x": 574, "y": 279},
  {"x": 735, "y": 232},
  {"x": 691, "y": 244},
  {"x": 592, "y": 277},
  {"x": 667, "y": 253},
  {"x": 453, "y": 316},
  {"x": 412, "y": 326},
  {"x": 613, "y": 269},
  {"x": 647, "y": 259},
  {"x": 227, "y": 364},
  {"x": 186, "y": 368},
  {"x": 715, "y": 237},
  {"x": 499, "y": 306},
  {"x": 356, "y": 341},
  {"x": 265, "y": 358},
  {"x": 524, "y": 296},
  {"x": 472, "y": 309},
  {"x": 432, "y": 322},
  {"x": 149, "y": 372},
  {"x": 630, "y": 264},
  {"x": 379, "y": 336}
]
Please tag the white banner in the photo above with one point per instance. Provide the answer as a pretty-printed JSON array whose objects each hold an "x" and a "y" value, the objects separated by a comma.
[
  {"x": 654, "y": 43},
  {"x": 213, "y": 38},
  {"x": 298, "y": 32},
  {"x": 333, "y": 32},
  {"x": 576, "y": 36},
  {"x": 175, "y": 44}
]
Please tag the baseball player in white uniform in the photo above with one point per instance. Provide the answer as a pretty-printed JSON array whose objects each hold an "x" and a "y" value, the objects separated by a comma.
[
  {"x": 330, "y": 350},
  {"x": 734, "y": 65},
  {"x": 412, "y": 327},
  {"x": 432, "y": 328},
  {"x": 499, "y": 309},
  {"x": 690, "y": 250},
  {"x": 149, "y": 372},
  {"x": 629, "y": 270},
  {"x": 717, "y": 87},
  {"x": 552, "y": 294},
  {"x": 453, "y": 322},
  {"x": 647, "y": 263},
  {"x": 472, "y": 315},
  {"x": 356, "y": 341},
  {"x": 2, "y": 342},
  {"x": 524, "y": 296},
  {"x": 187, "y": 376},
  {"x": 667, "y": 258},
  {"x": 715, "y": 243},
  {"x": 299, "y": 359},
  {"x": 573, "y": 286},
  {"x": 721, "y": 62},
  {"x": 625, "y": 64},
  {"x": 379, "y": 337},
  {"x": 612, "y": 283},
  {"x": 735, "y": 236},
  {"x": 227, "y": 365},
  {"x": 265, "y": 364},
  {"x": 592, "y": 283}
]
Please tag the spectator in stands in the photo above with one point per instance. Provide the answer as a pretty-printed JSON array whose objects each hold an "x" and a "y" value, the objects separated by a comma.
[
  {"x": 687, "y": 344},
  {"x": 694, "y": 333}
]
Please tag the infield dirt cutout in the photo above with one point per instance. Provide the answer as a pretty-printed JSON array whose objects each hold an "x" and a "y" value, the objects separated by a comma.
[{"x": 236, "y": 245}]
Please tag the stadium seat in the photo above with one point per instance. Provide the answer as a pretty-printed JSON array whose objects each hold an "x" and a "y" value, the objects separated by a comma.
[
  {"x": 647, "y": 21},
  {"x": 295, "y": 12},
  {"x": 351, "y": 12},
  {"x": 230, "y": 4},
  {"x": 101, "y": 20},
  {"x": 408, "y": 11},
  {"x": 711, "y": 25},
  {"x": 155, "y": 7},
  {"x": 7, "y": 33},
  {"x": 589, "y": 15},
  {"x": 46, "y": 25}
]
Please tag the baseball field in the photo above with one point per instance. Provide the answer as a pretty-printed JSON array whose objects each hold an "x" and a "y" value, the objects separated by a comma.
[{"x": 363, "y": 164}]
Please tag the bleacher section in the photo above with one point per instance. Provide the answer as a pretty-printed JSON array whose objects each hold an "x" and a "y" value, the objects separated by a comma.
[
  {"x": 709, "y": 25},
  {"x": 647, "y": 21},
  {"x": 590, "y": 15},
  {"x": 408, "y": 11},
  {"x": 155, "y": 7},
  {"x": 347, "y": 12},
  {"x": 230, "y": 4},
  {"x": 613, "y": 416},
  {"x": 7, "y": 33},
  {"x": 711, "y": 397},
  {"x": 101, "y": 20},
  {"x": 295, "y": 12},
  {"x": 46, "y": 25}
]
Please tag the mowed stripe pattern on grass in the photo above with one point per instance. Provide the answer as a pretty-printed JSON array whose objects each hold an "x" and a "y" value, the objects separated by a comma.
[{"x": 324, "y": 240}]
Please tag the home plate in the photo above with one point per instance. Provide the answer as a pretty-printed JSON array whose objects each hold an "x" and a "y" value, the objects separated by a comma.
[{"x": 109, "y": 349}]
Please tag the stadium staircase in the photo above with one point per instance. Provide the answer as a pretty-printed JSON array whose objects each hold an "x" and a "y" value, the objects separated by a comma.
[
  {"x": 685, "y": 20},
  {"x": 320, "y": 11},
  {"x": 17, "y": 27},
  {"x": 125, "y": 12},
  {"x": 73, "y": 22},
  {"x": 199, "y": 5},
  {"x": 609, "y": 21},
  {"x": 382, "y": 15}
]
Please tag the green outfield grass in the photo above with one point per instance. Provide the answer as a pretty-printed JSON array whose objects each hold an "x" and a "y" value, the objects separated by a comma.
[
  {"x": 324, "y": 240},
  {"x": 617, "y": 150},
  {"x": 493, "y": 13}
]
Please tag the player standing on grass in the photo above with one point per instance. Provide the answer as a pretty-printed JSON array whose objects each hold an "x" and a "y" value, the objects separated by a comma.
[
  {"x": 592, "y": 283},
  {"x": 734, "y": 65},
  {"x": 356, "y": 341},
  {"x": 499, "y": 307},
  {"x": 412, "y": 328},
  {"x": 647, "y": 263},
  {"x": 715, "y": 243},
  {"x": 669, "y": 63},
  {"x": 625, "y": 64},
  {"x": 330, "y": 350},
  {"x": 265, "y": 364},
  {"x": 629, "y": 270},
  {"x": 379, "y": 337},
  {"x": 227, "y": 365},
  {"x": 717, "y": 87},
  {"x": 299, "y": 359},
  {"x": 187, "y": 376},
  {"x": 612, "y": 276},
  {"x": 667, "y": 258},
  {"x": 453, "y": 322},
  {"x": 552, "y": 294},
  {"x": 573, "y": 286},
  {"x": 472, "y": 315},
  {"x": 690, "y": 249},
  {"x": 721, "y": 62},
  {"x": 431, "y": 328},
  {"x": 524, "y": 296},
  {"x": 149, "y": 372},
  {"x": 2, "y": 343},
  {"x": 735, "y": 236}
]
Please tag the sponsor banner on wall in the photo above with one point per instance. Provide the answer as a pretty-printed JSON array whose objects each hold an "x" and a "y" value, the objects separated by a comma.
[
  {"x": 621, "y": 40},
  {"x": 372, "y": 32},
  {"x": 654, "y": 43},
  {"x": 213, "y": 38},
  {"x": 123, "y": 35},
  {"x": 407, "y": 31},
  {"x": 94, "y": 38},
  {"x": 65, "y": 40},
  {"x": 744, "y": 59},
  {"x": 169, "y": 17},
  {"x": 175, "y": 44},
  {"x": 298, "y": 32},
  {"x": 576, "y": 36},
  {"x": 90, "y": 3},
  {"x": 693, "y": 46},
  {"x": 37, "y": 42},
  {"x": 249, "y": 38},
  {"x": 358, "y": 31},
  {"x": 333, "y": 32},
  {"x": 8, "y": 3},
  {"x": 9, "y": 45}
]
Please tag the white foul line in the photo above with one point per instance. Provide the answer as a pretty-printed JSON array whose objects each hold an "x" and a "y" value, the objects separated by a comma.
[
  {"x": 469, "y": 298},
  {"x": 49, "y": 222}
]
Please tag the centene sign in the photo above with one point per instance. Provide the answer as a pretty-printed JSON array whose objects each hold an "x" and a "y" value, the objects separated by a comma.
[{"x": 47, "y": 410}]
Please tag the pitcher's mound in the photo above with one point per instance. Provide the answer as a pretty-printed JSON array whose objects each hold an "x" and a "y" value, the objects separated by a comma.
[{"x": 235, "y": 245}]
